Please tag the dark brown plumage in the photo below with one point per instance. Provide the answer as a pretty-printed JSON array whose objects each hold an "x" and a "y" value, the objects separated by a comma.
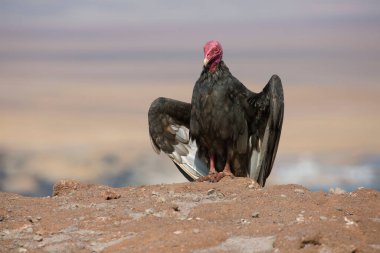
[{"x": 226, "y": 128}]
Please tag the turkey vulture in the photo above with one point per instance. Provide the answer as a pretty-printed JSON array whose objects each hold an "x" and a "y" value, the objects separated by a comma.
[{"x": 225, "y": 130}]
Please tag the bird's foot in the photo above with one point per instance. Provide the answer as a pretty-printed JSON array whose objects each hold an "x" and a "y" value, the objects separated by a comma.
[
  {"x": 222, "y": 175},
  {"x": 215, "y": 177},
  {"x": 208, "y": 178}
]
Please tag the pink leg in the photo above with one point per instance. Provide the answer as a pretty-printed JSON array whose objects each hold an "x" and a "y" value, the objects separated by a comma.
[
  {"x": 212, "y": 173},
  {"x": 226, "y": 172},
  {"x": 227, "y": 169},
  {"x": 212, "y": 169}
]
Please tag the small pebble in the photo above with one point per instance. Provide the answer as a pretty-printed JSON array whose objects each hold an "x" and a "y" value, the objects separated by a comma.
[
  {"x": 162, "y": 199},
  {"x": 195, "y": 230},
  {"x": 175, "y": 207},
  {"x": 211, "y": 191},
  {"x": 110, "y": 194},
  {"x": 255, "y": 215},
  {"x": 177, "y": 232},
  {"x": 197, "y": 199},
  {"x": 149, "y": 211},
  {"x": 251, "y": 186},
  {"x": 22, "y": 250},
  {"x": 299, "y": 191},
  {"x": 155, "y": 193},
  {"x": 29, "y": 218},
  {"x": 29, "y": 230},
  {"x": 283, "y": 195},
  {"x": 244, "y": 221},
  {"x": 37, "y": 238},
  {"x": 300, "y": 218},
  {"x": 197, "y": 218},
  {"x": 323, "y": 217},
  {"x": 337, "y": 191},
  {"x": 158, "y": 215},
  {"x": 339, "y": 208}
]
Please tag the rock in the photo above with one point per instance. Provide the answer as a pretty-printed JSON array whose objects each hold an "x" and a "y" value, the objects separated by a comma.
[
  {"x": 65, "y": 186},
  {"x": 195, "y": 230},
  {"x": 211, "y": 191},
  {"x": 300, "y": 218},
  {"x": 178, "y": 232},
  {"x": 349, "y": 222},
  {"x": 149, "y": 211},
  {"x": 196, "y": 198},
  {"x": 158, "y": 215},
  {"x": 299, "y": 191},
  {"x": 337, "y": 191},
  {"x": 244, "y": 221},
  {"x": 253, "y": 185},
  {"x": 110, "y": 194},
  {"x": 37, "y": 238},
  {"x": 322, "y": 217},
  {"x": 243, "y": 244},
  {"x": 161, "y": 199},
  {"x": 255, "y": 215},
  {"x": 29, "y": 230},
  {"x": 175, "y": 207}
]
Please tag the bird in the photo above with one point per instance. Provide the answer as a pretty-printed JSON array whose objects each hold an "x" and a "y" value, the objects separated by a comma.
[{"x": 226, "y": 129}]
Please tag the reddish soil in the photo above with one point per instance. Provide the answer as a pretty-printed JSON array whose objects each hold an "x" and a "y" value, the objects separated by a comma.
[{"x": 233, "y": 215}]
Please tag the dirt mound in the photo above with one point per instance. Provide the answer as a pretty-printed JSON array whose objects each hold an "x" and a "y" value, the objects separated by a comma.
[{"x": 234, "y": 215}]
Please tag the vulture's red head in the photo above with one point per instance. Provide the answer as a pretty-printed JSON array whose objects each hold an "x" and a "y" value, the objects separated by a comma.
[{"x": 213, "y": 54}]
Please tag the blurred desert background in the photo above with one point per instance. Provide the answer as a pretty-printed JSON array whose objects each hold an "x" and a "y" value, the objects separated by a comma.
[{"x": 77, "y": 79}]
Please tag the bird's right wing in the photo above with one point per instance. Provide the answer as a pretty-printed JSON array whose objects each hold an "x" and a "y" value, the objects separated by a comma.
[{"x": 169, "y": 122}]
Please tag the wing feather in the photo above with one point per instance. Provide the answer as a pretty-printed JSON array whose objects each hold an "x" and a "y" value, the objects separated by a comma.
[
  {"x": 267, "y": 112},
  {"x": 169, "y": 122}
]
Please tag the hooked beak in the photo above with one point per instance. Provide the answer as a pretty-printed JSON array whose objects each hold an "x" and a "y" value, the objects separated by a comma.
[{"x": 205, "y": 61}]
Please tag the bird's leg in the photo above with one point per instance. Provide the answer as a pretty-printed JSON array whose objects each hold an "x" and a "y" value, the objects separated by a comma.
[
  {"x": 212, "y": 173},
  {"x": 212, "y": 169},
  {"x": 227, "y": 169},
  {"x": 226, "y": 172}
]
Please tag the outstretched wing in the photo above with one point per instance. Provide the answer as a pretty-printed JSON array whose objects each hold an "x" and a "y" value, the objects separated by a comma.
[
  {"x": 169, "y": 122},
  {"x": 265, "y": 115}
]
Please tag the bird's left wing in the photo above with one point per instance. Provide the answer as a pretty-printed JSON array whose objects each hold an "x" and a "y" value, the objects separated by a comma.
[
  {"x": 265, "y": 114},
  {"x": 169, "y": 122}
]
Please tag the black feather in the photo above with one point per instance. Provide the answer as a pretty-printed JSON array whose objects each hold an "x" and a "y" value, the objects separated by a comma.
[{"x": 226, "y": 120}]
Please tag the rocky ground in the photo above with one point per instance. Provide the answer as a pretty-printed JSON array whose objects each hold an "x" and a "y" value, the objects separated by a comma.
[{"x": 234, "y": 215}]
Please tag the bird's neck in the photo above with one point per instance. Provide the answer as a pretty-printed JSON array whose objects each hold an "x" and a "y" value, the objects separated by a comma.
[
  {"x": 216, "y": 70},
  {"x": 213, "y": 77}
]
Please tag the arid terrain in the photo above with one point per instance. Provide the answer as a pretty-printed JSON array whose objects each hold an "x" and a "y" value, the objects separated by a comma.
[{"x": 234, "y": 215}]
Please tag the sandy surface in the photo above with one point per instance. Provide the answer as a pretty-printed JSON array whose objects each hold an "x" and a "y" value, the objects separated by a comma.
[{"x": 234, "y": 215}]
